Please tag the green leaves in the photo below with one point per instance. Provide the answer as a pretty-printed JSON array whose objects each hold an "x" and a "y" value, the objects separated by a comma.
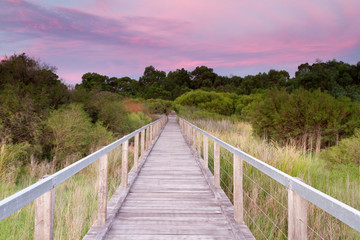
[
  {"x": 71, "y": 133},
  {"x": 311, "y": 119},
  {"x": 221, "y": 103}
]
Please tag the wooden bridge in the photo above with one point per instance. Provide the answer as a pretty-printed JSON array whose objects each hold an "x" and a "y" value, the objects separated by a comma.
[
  {"x": 170, "y": 192},
  {"x": 173, "y": 198}
]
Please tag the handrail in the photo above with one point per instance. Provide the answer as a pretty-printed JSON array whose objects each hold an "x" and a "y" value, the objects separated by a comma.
[
  {"x": 18, "y": 200},
  {"x": 334, "y": 207}
]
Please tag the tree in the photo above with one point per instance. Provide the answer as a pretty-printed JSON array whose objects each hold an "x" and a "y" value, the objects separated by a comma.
[
  {"x": 202, "y": 77},
  {"x": 95, "y": 81},
  {"x": 152, "y": 77}
]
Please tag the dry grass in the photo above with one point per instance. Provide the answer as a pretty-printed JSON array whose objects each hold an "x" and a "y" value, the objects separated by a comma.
[
  {"x": 134, "y": 106},
  {"x": 75, "y": 201},
  {"x": 265, "y": 200}
]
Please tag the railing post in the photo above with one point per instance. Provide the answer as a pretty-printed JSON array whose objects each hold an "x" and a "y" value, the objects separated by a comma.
[
  {"x": 142, "y": 143},
  {"x": 194, "y": 139},
  {"x": 297, "y": 216},
  {"x": 102, "y": 191},
  {"x": 238, "y": 190},
  {"x": 44, "y": 215},
  {"x": 147, "y": 137},
  {"x": 206, "y": 152},
  {"x": 151, "y": 133},
  {"x": 124, "y": 164},
  {"x": 216, "y": 165},
  {"x": 189, "y": 134},
  {"x": 136, "y": 151},
  {"x": 199, "y": 143},
  {"x": 157, "y": 129}
]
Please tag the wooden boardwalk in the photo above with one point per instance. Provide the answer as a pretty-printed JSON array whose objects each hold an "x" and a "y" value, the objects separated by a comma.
[{"x": 173, "y": 197}]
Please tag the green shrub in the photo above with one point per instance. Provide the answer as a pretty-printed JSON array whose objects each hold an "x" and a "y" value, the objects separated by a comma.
[
  {"x": 347, "y": 152},
  {"x": 137, "y": 120},
  {"x": 72, "y": 134},
  {"x": 243, "y": 102},
  {"x": 159, "y": 106},
  {"x": 220, "y": 103},
  {"x": 196, "y": 113},
  {"x": 12, "y": 159},
  {"x": 312, "y": 120}
]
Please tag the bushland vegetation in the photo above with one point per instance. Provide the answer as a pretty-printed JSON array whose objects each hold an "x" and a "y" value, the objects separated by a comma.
[
  {"x": 43, "y": 120},
  {"x": 307, "y": 126},
  {"x": 265, "y": 200},
  {"x": 45, "y": 126},
  {"x": 335, "y": 77}
]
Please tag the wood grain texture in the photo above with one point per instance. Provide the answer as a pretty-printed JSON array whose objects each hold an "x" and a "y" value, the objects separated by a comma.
[
  {"x": 136, "y": 151},
  {"x": 102, "y": 192},
  {"x": 124, "y": 164},
  {"x": 44, "y": 216},
  {"x": 171, "y": 198}
]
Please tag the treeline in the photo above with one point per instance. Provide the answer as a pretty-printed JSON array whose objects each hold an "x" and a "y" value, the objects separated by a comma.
[
  {"x": 41, "y": 119},
  {"x": 337, "y": 78},
  {"x": 310, "y": 119},
  {"x": 315, "y": 109}
]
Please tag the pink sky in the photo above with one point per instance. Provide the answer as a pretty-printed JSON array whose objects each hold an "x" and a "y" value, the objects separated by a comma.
[{"x": 120, "y": 38}]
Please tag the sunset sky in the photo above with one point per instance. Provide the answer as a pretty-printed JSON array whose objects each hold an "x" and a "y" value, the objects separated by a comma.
[{"x": 120, "y": 38}]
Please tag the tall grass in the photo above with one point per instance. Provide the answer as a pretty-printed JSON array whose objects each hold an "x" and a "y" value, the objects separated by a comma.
[
  {"x": 265, "y": 200},
  {"x": 75, "y": 201}
]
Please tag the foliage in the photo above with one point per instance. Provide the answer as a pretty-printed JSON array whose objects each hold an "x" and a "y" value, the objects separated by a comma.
[
  {"x": 347, "y": 152},
  {"x": 264, "y": 198},
  {"x": 71, "y": 134},
  {"x": 28, "y": 89},
  {"x": 272, "y": 79},
  {"x": 337, "y": 78},
  {"x": 196, "y": 113},
  {"x": 137, "y": 120},
  {"x": 13, "y": 158},
  {"x": 242, "y": 105},
  {"x": 220, "y": 103},
  {"x": 308, "y": 118},
  {"x": 159, "y": 106}
]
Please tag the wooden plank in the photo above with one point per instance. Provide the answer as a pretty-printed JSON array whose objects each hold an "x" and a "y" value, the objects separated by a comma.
[
  {"x": 124, "y": 164},
  {"x": 297, "y": 216},
  {"x": 44, "y": 216},
  {"x": 216, "y": 165},
  {"x": 102, "y": 191},
  {"x": 238, "y": 190},
  {"x": 166, "y": 237},
  {"x": 170, "y": 198},
  {"x": 136, "y": 151}
]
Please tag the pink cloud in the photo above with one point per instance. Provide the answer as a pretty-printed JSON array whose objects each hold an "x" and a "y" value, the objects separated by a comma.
[{"x": 119, "y": 38}]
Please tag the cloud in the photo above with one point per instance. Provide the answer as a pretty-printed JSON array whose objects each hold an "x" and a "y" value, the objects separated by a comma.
[{"x": 120, "y": 38}]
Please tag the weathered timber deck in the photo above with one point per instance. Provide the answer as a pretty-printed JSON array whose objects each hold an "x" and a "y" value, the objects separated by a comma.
[{"x": 172, "y": 197}]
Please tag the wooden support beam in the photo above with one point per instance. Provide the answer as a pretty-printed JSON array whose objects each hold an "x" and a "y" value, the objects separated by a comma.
[
  {"x": 124, "y": 164},
  {"x": 102, "y": 191},
  {"x": 44, "y": 215},
  {"x": 147, "y": 138},
  {"x": 206, "y": 152},
  {"x": 151, "y": 133},
  {"x": 238, "y": 190},
  {"x": 297, "y": 216},
  {"x": 142, "y": 143},
  {"x": 216, "y": 165},
  {"x": 198, "y": 143},
  {"x": 194, "y": 139},
  {"x": 136, "y": 151}
]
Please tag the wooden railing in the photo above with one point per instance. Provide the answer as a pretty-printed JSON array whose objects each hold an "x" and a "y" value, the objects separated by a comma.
[
  {"x": 298, "y": 191},
  {"x": 43, "y": 191}
]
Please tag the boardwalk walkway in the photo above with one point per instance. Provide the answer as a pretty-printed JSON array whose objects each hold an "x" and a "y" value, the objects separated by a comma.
[{"x": 172, "y": 198}]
